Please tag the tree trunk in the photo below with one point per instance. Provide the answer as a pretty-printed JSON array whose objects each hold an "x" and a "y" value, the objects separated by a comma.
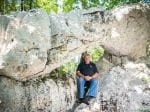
[
  {"x": 1, "y": 6},
  {"x": 13, "y": 6},
  {"x": 22, "y": 5},
  {"x": 31, "y": 1}
]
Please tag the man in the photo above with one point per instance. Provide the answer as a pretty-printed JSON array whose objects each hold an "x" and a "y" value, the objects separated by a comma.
[{"x": 87, "y": 72}]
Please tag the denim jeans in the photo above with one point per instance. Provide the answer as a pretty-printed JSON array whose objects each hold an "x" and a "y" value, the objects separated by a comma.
[{"x": 92, "y": 88}]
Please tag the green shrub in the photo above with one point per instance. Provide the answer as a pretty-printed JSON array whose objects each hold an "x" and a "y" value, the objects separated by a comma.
[
  {"x": 67, "y": 69},
  {"x": 96, "y": 53}
]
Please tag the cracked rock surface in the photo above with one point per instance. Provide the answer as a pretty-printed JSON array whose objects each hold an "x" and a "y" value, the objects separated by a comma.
[{"x": 33, "y": 44}]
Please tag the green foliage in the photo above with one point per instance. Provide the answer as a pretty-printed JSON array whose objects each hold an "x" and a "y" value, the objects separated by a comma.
[
  {"x": 84, "y": 3},
  {"x": 67, "y": 68},
  {"x": 48, "y": 5},
  {"x": 68, "y": 5},
  {"x": 7, "y": 6},
  {"x": 109, "y": 4},
  {"x": 89, "y": 3},
  {"x": 96, "y": 53}
]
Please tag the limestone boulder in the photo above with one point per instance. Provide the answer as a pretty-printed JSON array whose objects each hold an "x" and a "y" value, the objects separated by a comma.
[
  {"x": 129, "y": 33},
  {"x": 24, "y": 40},
  {"x": 40, "y": 95},
  {"x": 34, "y": 43}
]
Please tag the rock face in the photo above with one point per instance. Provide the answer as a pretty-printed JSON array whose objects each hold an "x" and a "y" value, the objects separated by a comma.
[
  {"x": 33, "y": 43},
  {"x": 122, "y": 90},
  {"x": 127, "y": 32},
  {"x": 22, "y": 52},
  {"x": 45, "y": 95}
]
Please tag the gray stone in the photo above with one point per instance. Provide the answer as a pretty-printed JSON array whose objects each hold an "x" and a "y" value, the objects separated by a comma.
[
  {"x": 34, "y": 43},
  {"x": 22, "y": 50},
  {"x": 37, "y": 95}
]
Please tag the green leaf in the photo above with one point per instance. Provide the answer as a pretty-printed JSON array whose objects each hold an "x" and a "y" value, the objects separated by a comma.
[{"x": 68, "y": 5}]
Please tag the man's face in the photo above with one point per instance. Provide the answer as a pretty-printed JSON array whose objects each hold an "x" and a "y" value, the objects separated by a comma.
[{"x": 87, "y": 59}]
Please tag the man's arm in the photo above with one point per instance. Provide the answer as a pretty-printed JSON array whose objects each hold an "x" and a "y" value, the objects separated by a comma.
[
  {"x": 80, "y": 74},
  {"x": 87, "y": 78},
  {"x": 95, "y": 75}
]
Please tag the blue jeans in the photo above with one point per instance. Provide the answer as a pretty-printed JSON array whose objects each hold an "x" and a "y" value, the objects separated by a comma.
[{"x": 92, "y": 88}]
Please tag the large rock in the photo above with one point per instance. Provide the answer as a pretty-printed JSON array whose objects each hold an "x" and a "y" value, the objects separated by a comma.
[
  {"x": 40, "y": 95},
  {"x": 33, "y": 43},
  {"x": 24, "y": 40},
  {"x": 129, "y": 32},
  {"x": 126, "y": 89}
]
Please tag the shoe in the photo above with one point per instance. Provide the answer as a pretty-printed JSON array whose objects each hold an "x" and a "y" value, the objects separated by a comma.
[
  {"x": 90, "y": 98},
  {"x": 83, "y": 100}
]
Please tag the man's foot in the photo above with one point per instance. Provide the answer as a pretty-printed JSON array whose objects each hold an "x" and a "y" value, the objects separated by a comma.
[
  {"x": 90, "y": 98},
  {"x": 83, "y": 100}
]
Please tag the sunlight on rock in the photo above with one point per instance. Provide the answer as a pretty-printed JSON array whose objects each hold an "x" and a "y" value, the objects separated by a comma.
[
  {"x": 114, "y": 33},
  {"x": 1, "y": 62},
  {"x": 138, "y": 89},
  {"x": 95, "y": 107},
  {"x": 32, "y": 58},
  {"x": 132, "y": 65},
  {"x": 4, "y": 49},
  {"x": 120, "y": 12},
  {"x": 30, "y": 28}
]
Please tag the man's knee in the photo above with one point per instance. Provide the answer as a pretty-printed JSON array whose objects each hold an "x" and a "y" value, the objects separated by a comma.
[
  {"x": 94, "y": 81},
  {"x": 80, "y": 79}
]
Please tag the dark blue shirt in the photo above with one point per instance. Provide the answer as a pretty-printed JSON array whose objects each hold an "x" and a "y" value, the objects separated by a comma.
[{"x": 87, "y": 69}]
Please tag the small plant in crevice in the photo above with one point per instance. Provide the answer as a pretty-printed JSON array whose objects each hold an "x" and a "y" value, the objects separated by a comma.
[
  {"x": 67, "y": 70},
  {"x": 96, "y": 53}
]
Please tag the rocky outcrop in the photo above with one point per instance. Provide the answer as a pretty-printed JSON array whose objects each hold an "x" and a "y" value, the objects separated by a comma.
[
  {"x": 32, "y": 44},
  {"x": 40, "y": 95},
  {"x": 25, "y": 38}
]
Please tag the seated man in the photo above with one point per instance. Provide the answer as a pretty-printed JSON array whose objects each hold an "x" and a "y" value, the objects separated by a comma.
[{"x": 87, "y": 72}]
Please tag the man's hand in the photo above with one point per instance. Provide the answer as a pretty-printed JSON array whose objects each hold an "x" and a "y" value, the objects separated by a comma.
[{"x": 87, "y": 78}]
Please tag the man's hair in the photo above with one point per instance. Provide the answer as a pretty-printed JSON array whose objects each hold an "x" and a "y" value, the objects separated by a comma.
[
  {"x": 86, "y": 54},
  {"x": 83, "y": 56}
]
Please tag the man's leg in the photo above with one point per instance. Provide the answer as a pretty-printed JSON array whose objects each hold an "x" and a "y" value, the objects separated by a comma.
[
  {"x": 81, "y": 83},
  {"x": 93, "y": 88}
]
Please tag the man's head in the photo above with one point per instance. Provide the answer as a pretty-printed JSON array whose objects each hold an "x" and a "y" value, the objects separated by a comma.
[{"x": 87, "y": 58}]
